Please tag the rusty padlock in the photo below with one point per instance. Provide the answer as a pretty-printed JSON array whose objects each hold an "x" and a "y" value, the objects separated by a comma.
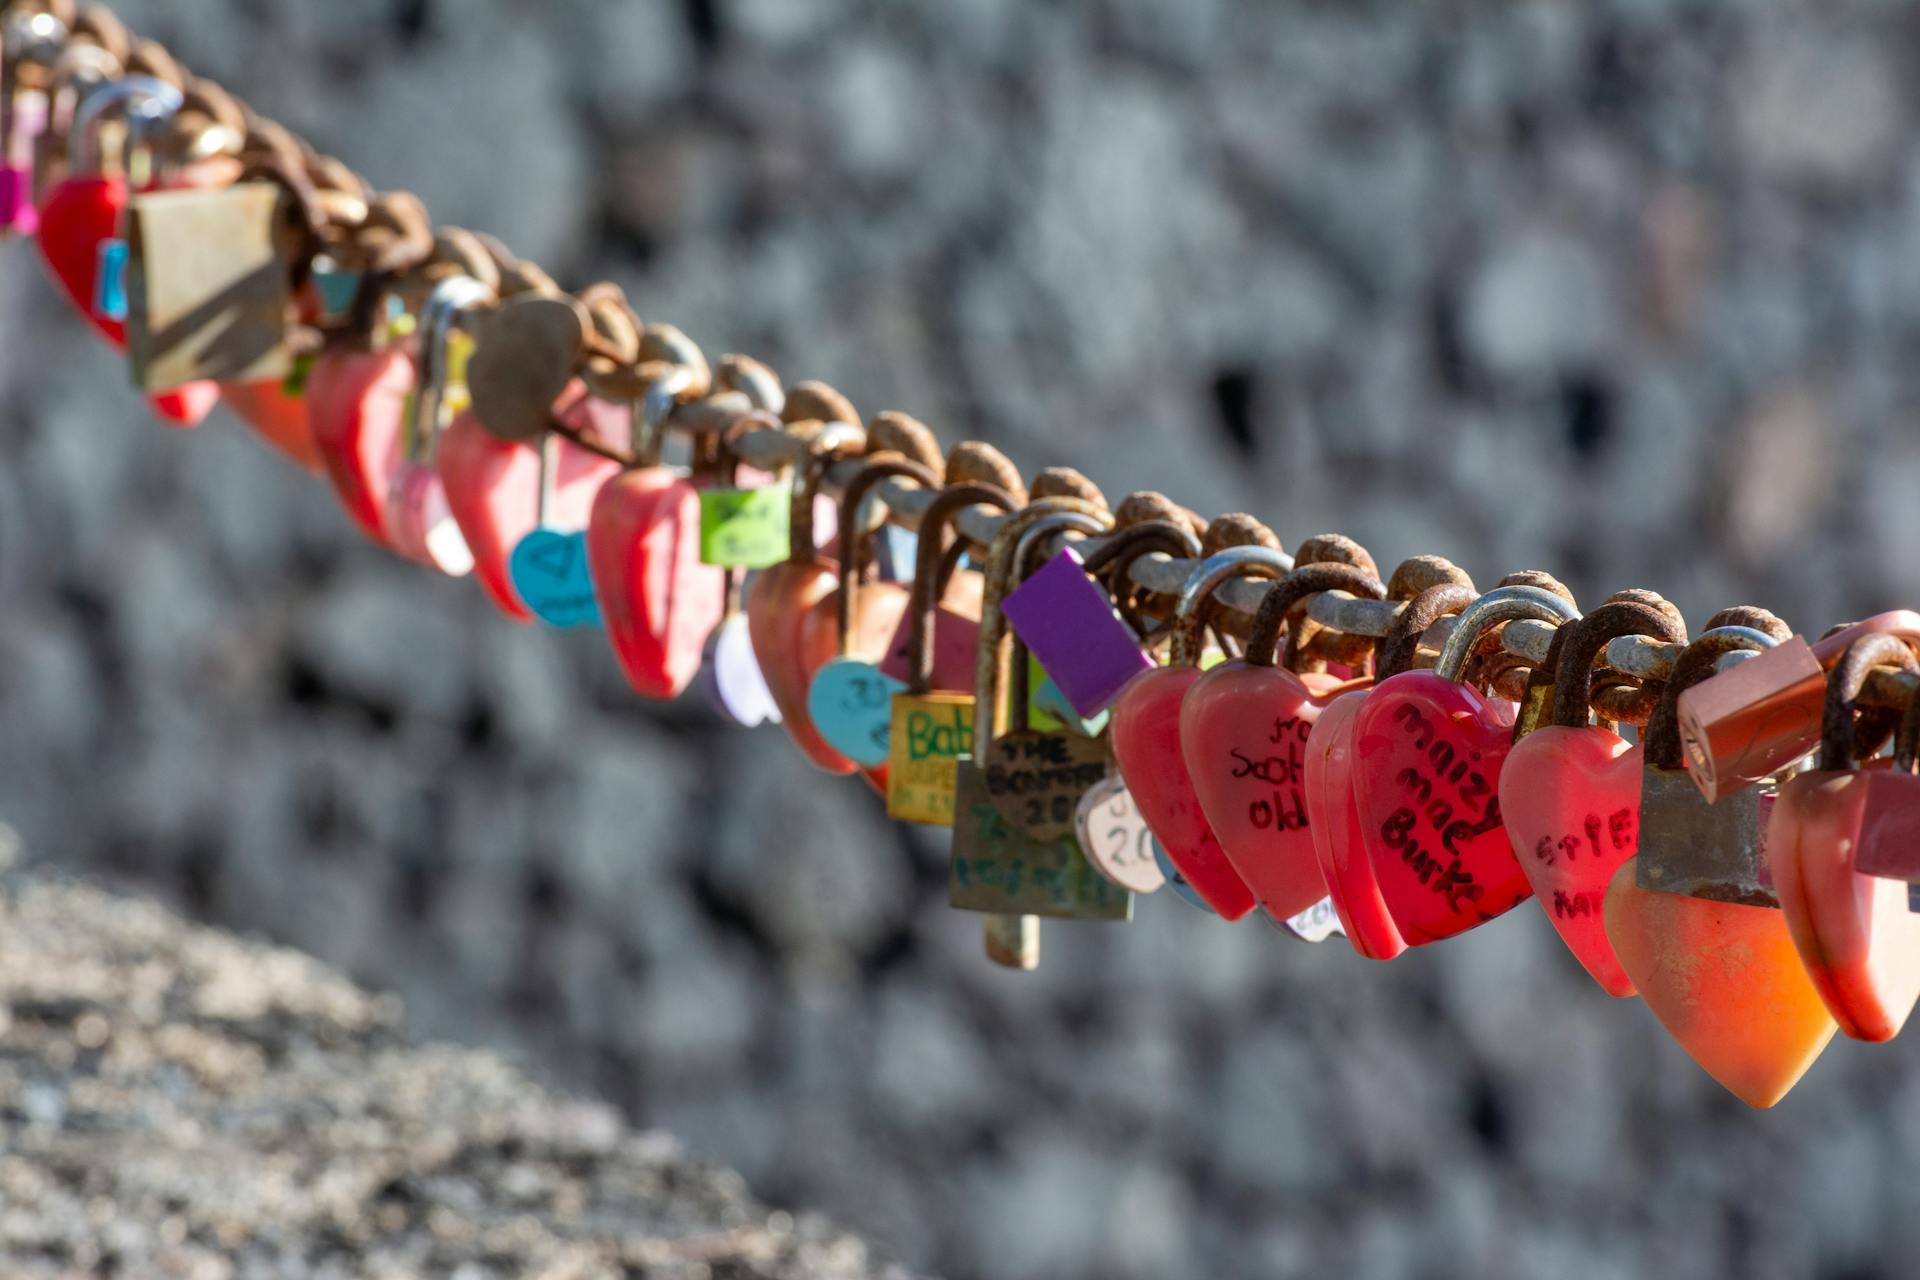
[
  {"x": 1015, "y": 850},
  {"x": 1742, "y": 725},
  {"x": 1690, "y": 845}
]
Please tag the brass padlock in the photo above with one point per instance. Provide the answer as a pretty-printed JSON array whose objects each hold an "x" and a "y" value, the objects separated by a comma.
[
  {"x": 930, "y": 729},
  {"x": 208, "y": 290},
  {"x": 1688, "y": 844},
  {"x": 1015, "y": 851}
]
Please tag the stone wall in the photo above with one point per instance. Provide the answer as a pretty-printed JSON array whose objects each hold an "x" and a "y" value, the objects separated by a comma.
[{"x": 1621, "y": 290}]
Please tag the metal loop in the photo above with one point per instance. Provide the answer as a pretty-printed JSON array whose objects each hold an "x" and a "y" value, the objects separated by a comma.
[{"x": 1502, "y": 604}]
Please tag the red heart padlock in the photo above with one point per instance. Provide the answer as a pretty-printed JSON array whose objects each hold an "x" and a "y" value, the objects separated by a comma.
[
  {"x": 1571, "y": 794},
  {"x": 1146, "y": 736},
  {"x": 1429, "y": 751},
  {"x": 1243, "y": 732},
  {"x": 493, "y": 486},
  {"x": 1333, "y": 814},
  {"x": 657, "y": 600},
  {"x": 357, "y": 409},
  {"x": 1333, "y": 822},
  {"x": 1854, "y": 933},
  {"x": 87, "y": 209}
]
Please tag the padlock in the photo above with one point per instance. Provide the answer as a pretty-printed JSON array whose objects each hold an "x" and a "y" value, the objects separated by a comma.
[
  {"x": 958, "y": 583},
  {"x": 1114, "y": 837},
  {"x": 728, "y": 669},
  {"x": 1147, "y": 738},
  {"x": 1570, "y": 791},
  {"x": 1243, "y": 733},
  {"x": 1722, "y": 976},
  {"x": 548, "y": 566},
  {"x": 1015, "y": 850},
  {"x": 1429, "y": 750},
  {"x": 1860, "y": 944},
  {"x": 29, "y": 45},
  {"x": 930, "y": 728},
  {"x": 1071, "y": 627},
  {"x": 658, "y": 603},
  {"x": 1742, "y": 725},
  {"x": 1712, "y": 850},
  {"x": 501, "y": 491},
  {"x": 419, "y": 521},
  {"x": 83, "y": 215},
  {"x": 209, "y": 294},
  {"x": 789, "y": 604},
  {"x": 849, "y": 700},
  {"x": 1889, "y": 840}
]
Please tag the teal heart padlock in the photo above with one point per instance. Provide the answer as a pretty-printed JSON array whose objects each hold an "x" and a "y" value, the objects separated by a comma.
[
  {"x": 850, "y": 699},
  {"x": 549, "y": 566}
]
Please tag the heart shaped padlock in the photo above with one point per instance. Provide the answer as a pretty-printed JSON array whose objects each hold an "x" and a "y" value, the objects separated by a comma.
[
  {"x": 658, "y": 602},
  {"x": 1429, "y": 751},
  {"x": 1146, "y": 731},
  {"x": 1854, "y": 933},
  {"x": 495, "y": 486},
  {"x": 1722, "y": 977},
  {"x": 1243, "y": 730},
  {"x": 1571, "y": 794}
]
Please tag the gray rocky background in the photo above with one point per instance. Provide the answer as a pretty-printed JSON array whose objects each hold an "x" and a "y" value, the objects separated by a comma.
[
  {"x": 175, "y": 1103},
  {"x": 1625, "y": 290}
]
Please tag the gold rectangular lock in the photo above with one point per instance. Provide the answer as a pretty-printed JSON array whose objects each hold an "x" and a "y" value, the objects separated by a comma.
[
  {"x": 207, "y": 288},
  {"x": 929, "y": 732}
]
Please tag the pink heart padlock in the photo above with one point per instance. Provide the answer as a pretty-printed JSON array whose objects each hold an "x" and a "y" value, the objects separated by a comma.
[
  {"x": 1429, "y": 751},
  {"x": 1853, "y": 931},
  {"x": 1571, "y": 794},
  {"x": 1244, "y": 727}
]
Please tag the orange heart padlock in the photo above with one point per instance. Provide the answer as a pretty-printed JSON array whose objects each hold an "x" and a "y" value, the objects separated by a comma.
[
  {"x": 1147, "y": 746},
  {"x": 1571, "y": 792},
  {"x": 1859, "y": 942},
  {"x": 1723, "y": 978},
  {"x": 790, "y": 607},
  {"x": 1243, "y": 734}
]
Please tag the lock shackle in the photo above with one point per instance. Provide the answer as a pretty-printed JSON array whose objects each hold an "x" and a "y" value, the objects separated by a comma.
[
  {"x": 928, "y": 554},
  {"x": 990, "y": 656},
  {"x": 826, "y": 443},
  {"x": 1270, "y": 619},
  {"x": 1578, "y": 644},
  {"x": 647, "y": 421},
  {"x": 1205, "y": 578},
  {"x": 855, "y": 541},
  {"x": 1502, "y": 604},
  {"x": 1699, "y": 661},
  {"x": 1018, "y": 569},
  {"x": 1426, "y": 607},
  {"x": 148, "y": 101},
  {"x": 1113, "y": 562},
  {"x": 439, "y": 315},
  {"x": 1844, "y": 681},
  {"x": 1022, "y": 566}
]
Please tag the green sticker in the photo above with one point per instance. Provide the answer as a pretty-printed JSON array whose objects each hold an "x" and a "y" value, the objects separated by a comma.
[
  {"x": 744, "y": 528},
  {"x": 1048, "y": 708},
  {"x": 295, "y": 383}
]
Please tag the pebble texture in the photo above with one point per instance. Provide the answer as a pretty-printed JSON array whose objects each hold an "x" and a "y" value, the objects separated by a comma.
[
  {"x": 178, "y": 1103},
  {"x": 1625, "y": 290}
]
